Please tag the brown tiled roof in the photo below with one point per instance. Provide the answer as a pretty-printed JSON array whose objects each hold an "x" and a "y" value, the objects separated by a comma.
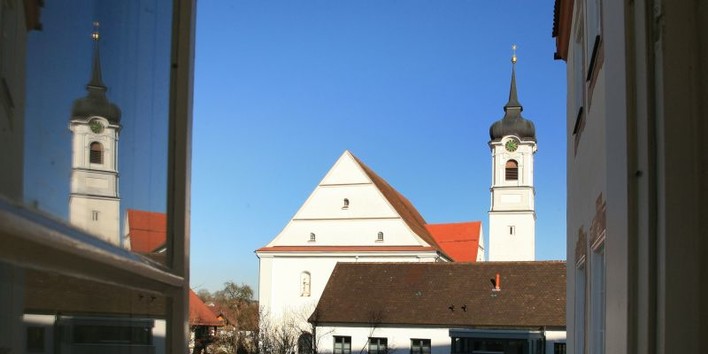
[
  {"x": 148, "y": 230},
  {"x": 459, "y": 240},
  {"x": 405, "y": 209},
  {"x": 199, "y": 312},
  {"x": 531, "y": 295}
]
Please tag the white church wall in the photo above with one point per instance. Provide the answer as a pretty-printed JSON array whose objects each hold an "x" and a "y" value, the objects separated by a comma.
[
  {"x": 364, "y": 200},
  {"x": 512, "y": 236},
  {"x": 347, "y": 232}
]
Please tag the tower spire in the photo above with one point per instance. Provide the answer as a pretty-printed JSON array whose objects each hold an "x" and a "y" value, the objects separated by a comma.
[
  {"x": 95, "y": 103},
  {"x": 513, "y": 99},
  {"x": 512, "y": 123},
  {"x": 96, "y": 81}
]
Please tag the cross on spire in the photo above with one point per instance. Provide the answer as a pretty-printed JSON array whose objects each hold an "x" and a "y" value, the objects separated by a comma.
[
  {"x": 513, "y": 55},
  {"x": 95, "y": 35}
]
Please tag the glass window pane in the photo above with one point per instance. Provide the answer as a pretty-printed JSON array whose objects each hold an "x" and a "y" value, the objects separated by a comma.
[{"x": 96, "y": 118}]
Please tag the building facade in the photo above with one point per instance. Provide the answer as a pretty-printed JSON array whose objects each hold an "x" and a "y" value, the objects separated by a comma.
[
  {"x": 637, "y": 89},
  {"x": 353, "y": 215}
]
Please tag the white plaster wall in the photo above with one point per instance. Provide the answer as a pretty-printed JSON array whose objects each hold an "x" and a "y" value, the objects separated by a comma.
[
  {"x": 586, "y": 176},
  {"x": 327, "y": 201},
  {"x": 399, "y": 339},
  {"x": 513, "y": 198},
  {"x": 518, "y": 247},
  {"x": 347, "y": 232},
  {"x": 345, "y": 171}
]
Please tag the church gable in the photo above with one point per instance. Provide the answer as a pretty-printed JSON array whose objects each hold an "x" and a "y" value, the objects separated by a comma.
[{"x": 352, "y": 206}]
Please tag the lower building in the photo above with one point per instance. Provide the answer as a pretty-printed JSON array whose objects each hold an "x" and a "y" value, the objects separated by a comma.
[{"x": 441, "y": 308}]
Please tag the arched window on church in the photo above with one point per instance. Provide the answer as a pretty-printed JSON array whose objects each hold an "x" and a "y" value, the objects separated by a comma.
[
  {"x": 305, "y": 284},
  {"x": 96, "y": 153},
  {"x": 512, "y": 170}
]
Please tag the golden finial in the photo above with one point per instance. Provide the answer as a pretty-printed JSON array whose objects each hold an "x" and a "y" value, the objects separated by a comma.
[
  {"x": 95, "y": 35},
  {"x": 513, "y": 56}
]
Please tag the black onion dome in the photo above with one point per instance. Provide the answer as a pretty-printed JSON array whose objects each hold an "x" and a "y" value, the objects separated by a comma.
[
  {"x": 96, "y": 103},
  {"x": 513, "y": 123}
]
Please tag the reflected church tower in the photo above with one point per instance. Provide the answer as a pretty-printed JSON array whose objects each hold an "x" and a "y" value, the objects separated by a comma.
[
  {"x": 512, "y": 216},
  {"x": 94, "y": 203}
]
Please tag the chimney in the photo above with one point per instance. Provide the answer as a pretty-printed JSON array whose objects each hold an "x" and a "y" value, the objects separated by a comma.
[{"x": 497, "y": 283}]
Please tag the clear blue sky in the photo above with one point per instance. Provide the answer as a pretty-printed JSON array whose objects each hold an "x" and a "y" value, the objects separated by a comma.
[{"x": 411, "y": 87}]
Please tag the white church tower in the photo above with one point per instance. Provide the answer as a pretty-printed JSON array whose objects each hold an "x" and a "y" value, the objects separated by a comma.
[
  {"x": 512, "y": 216},
  {"x": 94, "y": 203}
]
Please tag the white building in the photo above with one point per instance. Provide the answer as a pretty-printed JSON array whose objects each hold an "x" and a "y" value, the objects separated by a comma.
[
  {"x": 512, "y": 216},
  {"x": 636, "y": 113},
  {"x": 352, "y": 216}
]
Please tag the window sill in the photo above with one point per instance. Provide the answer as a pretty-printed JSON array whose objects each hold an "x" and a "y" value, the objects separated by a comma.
[{"x": 35, "y": 241}]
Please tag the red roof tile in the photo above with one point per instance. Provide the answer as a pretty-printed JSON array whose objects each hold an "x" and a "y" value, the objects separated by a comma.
[
  {"x": 147, "y": 230},
  {"x": 199, "y": 312},
  {"x": 459, "y": 240}
]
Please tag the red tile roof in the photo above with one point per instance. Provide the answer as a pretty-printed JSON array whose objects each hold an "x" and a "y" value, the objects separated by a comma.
[
  {"x": 147, "y": 230},
  {"x": 530, "y": 295},
  {"x": 199, "y": 312},
  {"x": 459, "y": 240}
]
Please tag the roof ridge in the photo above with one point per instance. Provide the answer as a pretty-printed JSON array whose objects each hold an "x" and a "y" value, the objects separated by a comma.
[{"x": 405, "y": 209}]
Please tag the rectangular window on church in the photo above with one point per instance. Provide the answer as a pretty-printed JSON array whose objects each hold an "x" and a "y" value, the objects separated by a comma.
[
  {"x": 94, "y": 215},
  {"x": 512, "y": 230}
]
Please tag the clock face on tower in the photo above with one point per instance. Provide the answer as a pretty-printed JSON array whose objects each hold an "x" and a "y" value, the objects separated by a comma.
[
  {"x": 96, "y": 126},
  {"x": 511, "y": 145}
]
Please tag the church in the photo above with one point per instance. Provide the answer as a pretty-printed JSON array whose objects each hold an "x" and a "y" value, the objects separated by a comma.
[{"x": 354, "y": 217}]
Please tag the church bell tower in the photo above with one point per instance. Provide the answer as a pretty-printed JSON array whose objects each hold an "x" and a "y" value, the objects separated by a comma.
[
  {"x": 94, "y": 202},
  {"x": 512, "y": 216}
]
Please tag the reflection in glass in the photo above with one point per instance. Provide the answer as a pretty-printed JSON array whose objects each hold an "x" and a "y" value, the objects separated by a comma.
[
  {"x": 90, "y": 317},
  {"x": 96, "y": 115}
]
